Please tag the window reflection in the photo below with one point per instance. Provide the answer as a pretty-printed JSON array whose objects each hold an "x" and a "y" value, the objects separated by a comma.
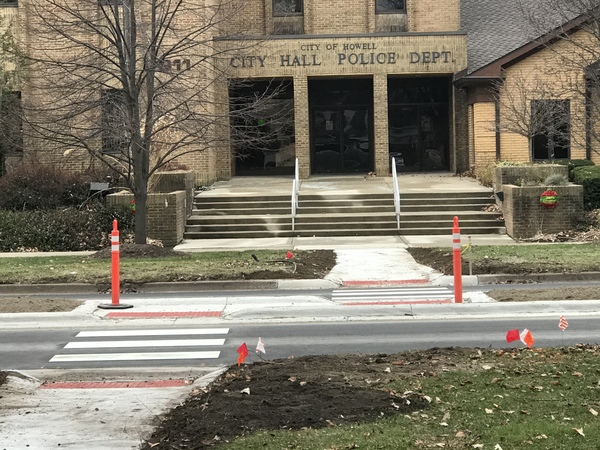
[{"x": 282, "y": 7}]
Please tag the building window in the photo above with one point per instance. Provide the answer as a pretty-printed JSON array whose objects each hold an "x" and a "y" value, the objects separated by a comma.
[
  {"x": 11, "y": 123},
  {"x": 115, "y": 137},
  {"x": 550, "y": 129},
  {"x": 390, "y": 7},
  {"x": 287, "y": 7}
]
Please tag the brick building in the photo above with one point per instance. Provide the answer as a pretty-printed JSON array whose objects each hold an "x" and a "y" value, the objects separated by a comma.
[{"x": 434, "y": 84}]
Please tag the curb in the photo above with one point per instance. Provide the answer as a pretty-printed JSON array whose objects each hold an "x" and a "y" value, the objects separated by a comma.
[{"x": 288, "y": 284}]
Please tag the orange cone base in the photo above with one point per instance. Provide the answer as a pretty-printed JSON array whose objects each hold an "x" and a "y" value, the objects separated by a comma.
[{"x": 113, "y": 306}]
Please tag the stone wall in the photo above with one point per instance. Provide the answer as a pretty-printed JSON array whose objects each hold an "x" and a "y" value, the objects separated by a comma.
[
  {"x": 166, "y": 215},
  {"x": 525, "y": 217},
  {"x": 177, "y": 180}
]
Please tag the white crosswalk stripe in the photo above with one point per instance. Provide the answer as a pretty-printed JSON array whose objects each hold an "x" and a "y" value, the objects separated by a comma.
[
  {"x": 156, "y": 345},
  {"x": 391, "y": 295}
]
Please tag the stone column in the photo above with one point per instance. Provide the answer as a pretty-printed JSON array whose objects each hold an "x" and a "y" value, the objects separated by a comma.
[
  {"x": 301, "y": 124},
  {"x": 380, "y": 125}
]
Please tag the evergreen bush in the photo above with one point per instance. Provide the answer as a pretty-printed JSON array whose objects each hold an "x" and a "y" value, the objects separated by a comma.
[
  {"x": 65, "y": 229},
  {"x": 589, "y": 178},
  {"x": 574, "y": 163},
  {"x": 34, "y": 187}
]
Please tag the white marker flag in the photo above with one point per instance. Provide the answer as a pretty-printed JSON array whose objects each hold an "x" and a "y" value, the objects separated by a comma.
[{"x": 260, "y": 347}]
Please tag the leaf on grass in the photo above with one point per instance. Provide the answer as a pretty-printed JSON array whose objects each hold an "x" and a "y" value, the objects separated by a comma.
[
  {"x": 245, "y": 391},
  {"x": 443, "y": 424},
  {"x": 486, "y": 367},
  {"x": 460, "y": 434},
  {"x": 477, "y": 446},
  {"x": 541, "y": 436},
  {"x": 387, "y": 370},
  {"x": 440, "y": 445},
  {"x": 489, "y": 411},
  {"x": 579, "y": 431},
  {"x": 577, "y": 374},
  {"x": 497, "y": 447},
  {"x": 446, "y": 417},
  {"x": 292, "y": 379},
  {"x": 594, "y": 412},
  {"x": 427, "y": 398}
]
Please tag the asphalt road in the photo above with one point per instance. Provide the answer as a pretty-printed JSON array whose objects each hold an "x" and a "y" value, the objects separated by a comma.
[{"x": 34, "y": 348}]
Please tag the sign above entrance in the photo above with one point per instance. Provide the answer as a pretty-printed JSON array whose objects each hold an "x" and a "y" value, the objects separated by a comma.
[{"x": 341, "y": 55}]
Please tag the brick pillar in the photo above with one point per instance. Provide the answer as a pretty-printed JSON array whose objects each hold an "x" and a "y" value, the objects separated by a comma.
[
  {"x": 301, "y": 124},
  {"x": 380, "y": 125},
  {"x": 222, "y": 155}
]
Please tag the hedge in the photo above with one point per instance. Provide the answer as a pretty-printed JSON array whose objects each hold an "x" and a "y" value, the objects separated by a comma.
[
  {"x": 66, "y": 229},
  {"x": 589, "y": 178}
]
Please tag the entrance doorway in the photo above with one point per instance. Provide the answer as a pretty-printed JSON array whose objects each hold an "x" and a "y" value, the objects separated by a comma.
[
  {"x": 341, "y": 125},
  {"x": 262, "y": 131},
  {"x": 419, "y": 126}
]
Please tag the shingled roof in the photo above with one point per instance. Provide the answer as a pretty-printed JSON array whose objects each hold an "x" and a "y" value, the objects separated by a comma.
[{"x": 495, "y": 28}]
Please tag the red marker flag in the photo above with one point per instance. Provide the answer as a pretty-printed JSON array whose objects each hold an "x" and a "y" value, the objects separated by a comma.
[
  {"x": 289, "y": 255},
  {"x": 512, "y": 335},
  {"x": 562, "y": 323},
  {"x": 527, "y": 338},
  {"x": 243, "y": 351}
]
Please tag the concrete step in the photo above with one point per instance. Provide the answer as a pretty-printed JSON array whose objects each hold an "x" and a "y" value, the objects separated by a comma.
[
  {"x": 335, "y": 214},
  {"x": 391, "y": 231}
]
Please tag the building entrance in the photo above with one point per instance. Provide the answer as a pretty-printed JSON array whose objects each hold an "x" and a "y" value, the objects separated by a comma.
[
  {"x": 341, "y": 125},
  {"x": 419, "y": 125}
]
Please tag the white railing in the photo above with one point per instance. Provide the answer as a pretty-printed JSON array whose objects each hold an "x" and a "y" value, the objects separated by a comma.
[
  {"x": 295, "y": 190},
  {"x": 396, "y": 192}
]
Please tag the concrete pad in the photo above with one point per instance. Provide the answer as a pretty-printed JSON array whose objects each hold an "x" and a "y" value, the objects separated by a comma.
[
  {"x": 82, "y": 419},
  {"x": 446, "y": 241},
  {"x": 212, "y": 245},
  {"x": 382, "y": 264}
]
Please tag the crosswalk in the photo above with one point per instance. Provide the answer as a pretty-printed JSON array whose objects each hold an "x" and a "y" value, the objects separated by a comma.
[
  {"x": 393, "y": 296},
  {"x": 142, "y": 345}
]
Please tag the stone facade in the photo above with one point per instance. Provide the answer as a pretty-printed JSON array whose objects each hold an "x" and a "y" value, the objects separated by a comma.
[{"x": 329, "y": 40}]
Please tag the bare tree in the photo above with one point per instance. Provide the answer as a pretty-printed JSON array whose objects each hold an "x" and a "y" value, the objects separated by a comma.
[
  {"x": 135, "y": 83},
  {"x": 11, "y": 68},
  {"x": 570, "y": 30},
  {"x": 533, "y": 106}
]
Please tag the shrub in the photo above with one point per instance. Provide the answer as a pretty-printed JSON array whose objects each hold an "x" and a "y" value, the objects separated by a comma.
[
  {"x": 589, "y": 178},
  {"x": 556, "y": 180},
  {"x": 574, "y": 163},
  {"x": 67, "y": 229},
  {"x": 33, "y": 187}
]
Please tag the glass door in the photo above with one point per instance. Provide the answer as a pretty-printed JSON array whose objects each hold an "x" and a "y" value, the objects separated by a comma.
[{"x": 341, "y": 141}]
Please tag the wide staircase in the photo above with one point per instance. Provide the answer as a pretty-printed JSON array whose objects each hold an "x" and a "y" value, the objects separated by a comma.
[{"x": 341, "y": 214}]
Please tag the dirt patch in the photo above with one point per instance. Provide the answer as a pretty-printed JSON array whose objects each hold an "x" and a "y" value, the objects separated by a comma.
[
  {"x": 306, "y": 392},
  {"x": 30, "y": 303},
  {"x": 305, "y": 265},
  {"x": 553, "y": 294}
]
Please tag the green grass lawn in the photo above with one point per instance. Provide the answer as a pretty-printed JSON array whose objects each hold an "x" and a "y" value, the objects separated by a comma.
[
  {"x": 529, "y": 399},
  {"x": 187, "y": 267}
]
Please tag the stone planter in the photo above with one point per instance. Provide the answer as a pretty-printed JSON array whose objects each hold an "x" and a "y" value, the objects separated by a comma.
[
  {"x": 524, "y": 175},
  {"x": 175, "y": 180},
  {"x": 165, "y": 218},
  {"x": 525, "y": 217}
]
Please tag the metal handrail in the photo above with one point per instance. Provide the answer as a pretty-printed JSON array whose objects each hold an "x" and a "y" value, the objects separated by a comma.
[
  {"x": 295, "y": 191},
  {"x": 396, "y": 190}
]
